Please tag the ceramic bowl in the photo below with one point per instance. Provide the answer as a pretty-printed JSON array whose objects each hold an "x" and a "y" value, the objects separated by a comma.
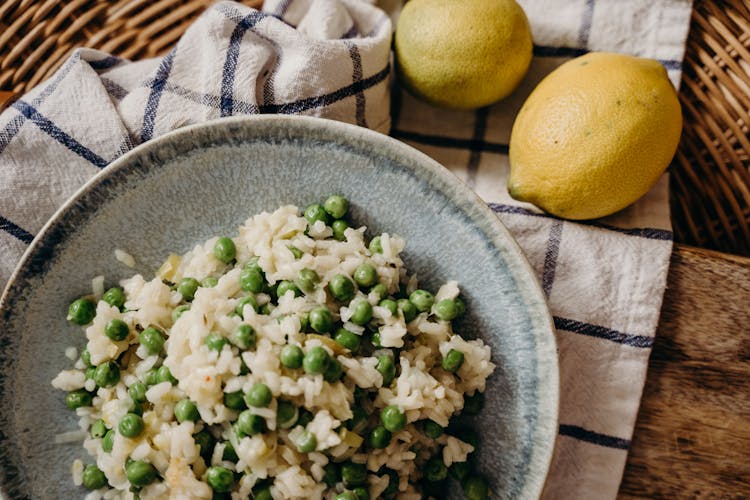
[{"x": 205, "y": 180}]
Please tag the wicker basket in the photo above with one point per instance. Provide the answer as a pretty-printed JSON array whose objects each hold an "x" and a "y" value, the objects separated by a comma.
[{"x": 710, "y": 174}]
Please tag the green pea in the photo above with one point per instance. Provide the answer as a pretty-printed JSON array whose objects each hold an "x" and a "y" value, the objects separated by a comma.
[
  {"x": 347, "y": 339},
  {"x": 137, "y": 392},
  {"x": 178, "y": 311},
  {"x": 460, "y": 470},
  {"x": 137, "y": 409},
  {"x": 224, "y": 250},
  {"x": 86, "y": 357},
  {"x": 435, "y": 469},
  {"x": 187, "y": 288},
  {"x": 476, "y": 488},
  {"x": 365, "y": 275},
  {"x": 386, "y": 368},
  {"x": 361, "y": 312},
  {"x": 286, "y": 415},
  {"x": 307, "y": 280},
  {"x": 316, "y": 212},
  {"x": 215, "y": 342},
  {"x": 375, "y": 339},
  {"x": 392, "y": 418},
  {"x": 334, "y": 371},
  {"x": 229, "y": 453},
  {"x": 460, "y": 307},
  {"x": 205, "y": 442},
  {"x": 291, "y": 356},
  {"x": 358, "y": 422},
  {"x": 331, "y": 474},
  {"x": 432, "y": 429},
  {"x": 422, "y": 300},
  {"x": 93, "y": 477},
  {"x": 341, "y": 287},
  {"x": 98, "y": 429},
  {"x": 287, "y": 286},
  {"x": 107, "y": 374},
  {"x": 252, "y": 264},
  {"x": 336, "y": 206},
  {"x": 140, "y": 473},
  {"x": 81, "y": 311},
  {"x": 296, "y": 252},
  {"x": 250, "y": 424},
  {"x": 375, "y": 245},
  {"x": 219, "y": 478},
  {"x": 259, "y": 395},
  {"x": 453, "y": 361},
  {"x": 185, "y": 410},
  {"x": 234, "y": 400},
  {"x": 265, "y": 309},
  {"x": 362, "y": 493},
  {"x": 244, "y": 301},
  {"x": 115, "y": 296},
  {"x": 321, "y": 319},
  {"x": 244, "y": 337},
  {"x": 304, "y": 322},
  {"x": 346, "y": 495},
  {"x": 251, "y": 280},
  {"x": 306, "y": 442},
  {"x": 339, "y": 227},
  {"x": 262, "y": 493},
  {"x": 316, "y": 360},
  {"x": 407, "y": 309},
  {"x": 379, "y": 289},
  {"x": 151, "y": 377},
  {"x": 152, "y": 340},
  {"x": 473, "y": 404},
  {"x": 131, "y": 425},
  {"x": 108, "y": 440},
  {"x": 164, "y": 375},
  {"x": 380, "y": 437},
  {"x": 90, "y": 371},
  {"x": 446, "y": 310},
  {"x": 77, "y": 399},
  {"x": 209, "y": 282},
  {"x": 116, "y": 329},
  {"x": 305, "y": 417},
  {"x": 353, "y": 474},
  {"x": 390, "y": 305}
]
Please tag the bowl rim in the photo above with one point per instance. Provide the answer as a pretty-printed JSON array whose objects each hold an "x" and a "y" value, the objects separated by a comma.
[{"x": 461, "y": 195}]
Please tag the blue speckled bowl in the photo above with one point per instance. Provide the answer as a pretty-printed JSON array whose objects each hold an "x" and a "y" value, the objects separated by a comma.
[{"x": 204, "y": 180}]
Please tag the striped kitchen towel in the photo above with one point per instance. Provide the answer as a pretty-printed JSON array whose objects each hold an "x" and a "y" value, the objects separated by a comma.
[{"x": 604, "y": 280}]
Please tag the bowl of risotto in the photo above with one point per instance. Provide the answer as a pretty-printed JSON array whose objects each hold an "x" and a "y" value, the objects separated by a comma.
[{"x": 275, "y": 307}]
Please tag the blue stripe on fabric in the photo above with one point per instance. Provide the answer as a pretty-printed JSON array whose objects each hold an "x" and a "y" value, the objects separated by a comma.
[
  {"x": 46, "y": 125},
  {"x": 10, "y": 130},
  {"x": 357, "y": 77},
  {"x": 586, "y": 21},
  {"x": 15, "y": 230},
  {"x": 588, "y": 436},
  {"x": 544, "y": 51},
  {"x": 550, "y": 256},
  {"x": 600, "y": 332},
  {"x": 327, "y": 99},
  {"x": 114, "y": 89},
  {"x": 230, "y": 63},
  {"x": 642, "y": 232},
  {"x": 152, "y": 103},
  {"x": 451, "y": 142},
  {"x": 477, "y": 137}
]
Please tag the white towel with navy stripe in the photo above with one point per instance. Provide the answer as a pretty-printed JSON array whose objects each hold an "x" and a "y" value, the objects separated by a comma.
[{"x": 604, "y": 280}]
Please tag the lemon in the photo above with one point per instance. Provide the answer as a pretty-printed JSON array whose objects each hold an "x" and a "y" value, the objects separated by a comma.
[
  {"x": 462, "y": 53},
  {"x": 594, "y": 135}
]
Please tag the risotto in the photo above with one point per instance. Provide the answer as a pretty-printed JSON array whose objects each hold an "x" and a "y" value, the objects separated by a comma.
[{"x": 293, "y": 359}]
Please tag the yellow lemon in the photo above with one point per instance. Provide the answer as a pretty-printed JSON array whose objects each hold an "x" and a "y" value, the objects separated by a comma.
[
  {"x": 462, "y": 53},
  {"x": 594, "y": 135}
]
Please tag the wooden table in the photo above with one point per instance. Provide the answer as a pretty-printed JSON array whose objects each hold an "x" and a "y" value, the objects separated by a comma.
[{"x": 692, "y": 437}]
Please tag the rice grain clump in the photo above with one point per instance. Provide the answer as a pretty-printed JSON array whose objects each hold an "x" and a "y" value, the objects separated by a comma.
[{"x": 292, "y": 360}]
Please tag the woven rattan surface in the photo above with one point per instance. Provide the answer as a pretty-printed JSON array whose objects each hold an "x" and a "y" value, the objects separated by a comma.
[{"x": 710, "y": 174}]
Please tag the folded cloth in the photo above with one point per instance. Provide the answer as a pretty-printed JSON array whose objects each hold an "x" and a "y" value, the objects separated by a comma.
[{"x": 604, "y": 280}]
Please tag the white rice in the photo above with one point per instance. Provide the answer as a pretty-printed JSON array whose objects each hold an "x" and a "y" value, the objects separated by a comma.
[{"x": 421, "y": 389}]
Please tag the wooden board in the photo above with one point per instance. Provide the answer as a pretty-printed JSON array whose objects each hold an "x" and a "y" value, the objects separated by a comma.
[{"x": 692, "y": 437}]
